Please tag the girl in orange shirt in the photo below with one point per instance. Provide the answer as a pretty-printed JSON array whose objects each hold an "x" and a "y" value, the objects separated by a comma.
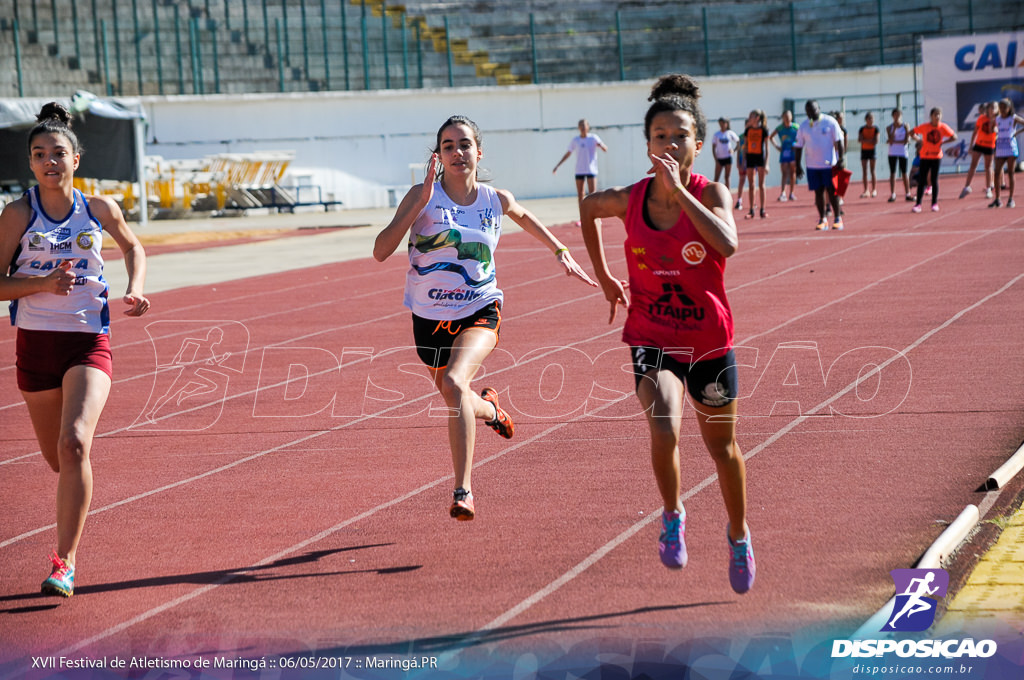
[
  {"x": 983, "y": 144},
  {"x": 931, "y": 135},
  {"x": 757, "y": 156},
  {"x": 868, "y": 138}
]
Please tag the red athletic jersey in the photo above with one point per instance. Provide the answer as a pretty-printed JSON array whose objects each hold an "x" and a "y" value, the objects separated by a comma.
[{"x": 676, "y": 283}]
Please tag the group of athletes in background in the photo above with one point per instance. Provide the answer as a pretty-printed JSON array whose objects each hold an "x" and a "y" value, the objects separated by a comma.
[
  {"x": 679, "y": 230},
  {"x": 993, "y": 139}
]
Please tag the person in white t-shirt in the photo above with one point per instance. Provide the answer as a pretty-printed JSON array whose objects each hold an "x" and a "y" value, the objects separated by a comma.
[
  {"x": 585, "y": 147},
  {"x": 820, "y": 140},
  {"x": 897, "y": 135},
  {"x": 723, "y": 143}
]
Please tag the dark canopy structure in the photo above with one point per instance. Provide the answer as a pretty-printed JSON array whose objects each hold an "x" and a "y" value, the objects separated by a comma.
[{"x": 107, "y": 130}]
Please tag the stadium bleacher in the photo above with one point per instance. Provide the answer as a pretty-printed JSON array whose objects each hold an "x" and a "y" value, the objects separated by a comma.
[{"x": 132, "y": 47}]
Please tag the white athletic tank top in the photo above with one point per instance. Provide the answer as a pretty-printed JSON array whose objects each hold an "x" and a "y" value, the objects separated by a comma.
[
  {"x": 1006, "y": 142},
  {"x": 46, "y": 243},
  {"x": 451, "y": 256},
  {"x": 898, "y": 146}
]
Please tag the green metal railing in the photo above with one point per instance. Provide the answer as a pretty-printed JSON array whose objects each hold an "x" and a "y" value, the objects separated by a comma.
[{"x": 212, "y": 46}]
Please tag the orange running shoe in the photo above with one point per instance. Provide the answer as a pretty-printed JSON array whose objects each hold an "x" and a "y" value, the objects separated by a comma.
[
  {"x": 462, "y": 505},
  {"x": 502, "y": 423}
]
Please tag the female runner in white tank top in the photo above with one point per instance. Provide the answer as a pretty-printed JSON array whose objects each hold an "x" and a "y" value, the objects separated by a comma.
[
  {"x": 1008, "y": 126},
  {"x": 454, "y": 222}
]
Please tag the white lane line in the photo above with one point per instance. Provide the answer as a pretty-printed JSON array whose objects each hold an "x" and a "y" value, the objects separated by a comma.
[
  {"x": 594, "y": 557},
  {"x": 591, "y": 559},
  {"x": 597, "y": 555}
]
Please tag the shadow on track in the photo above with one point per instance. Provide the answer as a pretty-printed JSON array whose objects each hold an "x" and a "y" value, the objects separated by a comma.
[{"x": 246, "y": 574}]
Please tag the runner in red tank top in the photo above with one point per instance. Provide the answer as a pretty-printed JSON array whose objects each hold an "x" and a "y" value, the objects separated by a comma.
[{"x": 679, "y": 230}]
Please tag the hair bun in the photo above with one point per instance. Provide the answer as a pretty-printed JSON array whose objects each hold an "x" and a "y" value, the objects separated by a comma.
[
  {"x": 674, "y": 84},
  {"x": 54, "y": 111}
]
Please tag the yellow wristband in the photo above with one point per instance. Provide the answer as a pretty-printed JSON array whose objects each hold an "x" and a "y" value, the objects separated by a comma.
[{"x": 561, "y": 250}]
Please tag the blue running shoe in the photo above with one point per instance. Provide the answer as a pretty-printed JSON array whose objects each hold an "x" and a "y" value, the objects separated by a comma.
[
  {"x": 672, "y": 543},
  {"x": 741, "y": 565},
  {"x": 62, "y": 578}
]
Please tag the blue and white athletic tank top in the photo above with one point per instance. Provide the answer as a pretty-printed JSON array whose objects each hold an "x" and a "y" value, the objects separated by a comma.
[
  {"x": 451, "y": 256},
  {"x": 1006, "y": 141},
  {"x": 46, "y": 243}
]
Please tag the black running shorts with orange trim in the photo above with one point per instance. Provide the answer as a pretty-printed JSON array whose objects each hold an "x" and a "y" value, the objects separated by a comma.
[{"x": 434, "y": 337}]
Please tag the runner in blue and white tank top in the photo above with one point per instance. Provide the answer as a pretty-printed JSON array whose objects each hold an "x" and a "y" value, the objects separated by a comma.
[
  {"x": 52, "y": 272},
  {"x": 1008, "y": 126},
  {"x": 454, "y": 223},
  {"x": 76, "y": 238}
]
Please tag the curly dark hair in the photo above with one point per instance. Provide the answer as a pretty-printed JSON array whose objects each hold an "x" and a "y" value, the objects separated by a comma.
[{"x": 676, "y": 92}]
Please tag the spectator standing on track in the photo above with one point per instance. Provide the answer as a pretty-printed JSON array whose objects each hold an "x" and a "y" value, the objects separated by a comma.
[
  {"x": 741, "y": 169},
  {"x": 679, "y": 230},
  {"x": 585, "y": 146},
  {"x": 1007, "y": 128},
  {"x": 52, "y": 237},
  {"x": 897, "y": 134},
  {"x": 931, "y": 135},
  {"x": 723, "y": 143},
  {"x": 840, "y": 120},
  {"x": 453, "y": 223},
  {"x": 983, "y": 145},
  {"x": 756, "y": 141},
  {"x": 786, "y": 132},
  {"x": 867, "y": 136},
  {"x": 822, "y": 138}
]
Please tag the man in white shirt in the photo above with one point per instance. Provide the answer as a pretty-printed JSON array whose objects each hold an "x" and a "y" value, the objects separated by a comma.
[{"x": 822, "y": 138}]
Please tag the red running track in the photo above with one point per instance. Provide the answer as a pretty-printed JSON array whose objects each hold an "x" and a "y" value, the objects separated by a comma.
[{"x": 267, "y": 517}]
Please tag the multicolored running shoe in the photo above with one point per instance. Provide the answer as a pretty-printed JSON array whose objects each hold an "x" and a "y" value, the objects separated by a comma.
[
  {"x": 62, "y": 578},
  {"x": 502, "y": 423},
  {"x": 672, "y": 542},
  {"x": 741, "y": 563},
  {"x": 462, "y": 505}
]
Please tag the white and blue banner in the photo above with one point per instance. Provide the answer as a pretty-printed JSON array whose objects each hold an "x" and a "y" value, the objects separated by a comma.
[{"x": 964, "y": 71}]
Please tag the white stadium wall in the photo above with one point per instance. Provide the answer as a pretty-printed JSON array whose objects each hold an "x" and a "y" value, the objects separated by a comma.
[{"x": 358, "y": 146}]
